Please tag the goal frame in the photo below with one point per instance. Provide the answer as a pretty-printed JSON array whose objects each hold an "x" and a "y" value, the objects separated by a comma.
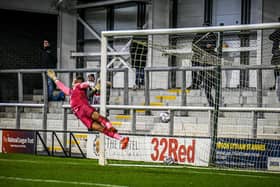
[{"x": 104, "y": 54}]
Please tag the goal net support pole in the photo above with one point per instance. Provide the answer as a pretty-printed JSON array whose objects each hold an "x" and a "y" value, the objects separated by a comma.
[
  {"x": 103, "y": 80},
  {"x": 217, "y": 99}
]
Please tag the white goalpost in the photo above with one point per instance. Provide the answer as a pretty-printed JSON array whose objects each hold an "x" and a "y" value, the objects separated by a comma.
[{"x": 218, "y": 76}]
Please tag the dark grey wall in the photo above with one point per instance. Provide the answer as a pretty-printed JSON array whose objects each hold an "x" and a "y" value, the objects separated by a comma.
[
  {"x": 21, "y": 37},
  {"x": 190, "y": 13},
  {"x": 41, "y": 6}
]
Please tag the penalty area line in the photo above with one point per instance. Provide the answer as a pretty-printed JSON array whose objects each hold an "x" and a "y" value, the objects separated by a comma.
[{"x": 58, "y": 181}]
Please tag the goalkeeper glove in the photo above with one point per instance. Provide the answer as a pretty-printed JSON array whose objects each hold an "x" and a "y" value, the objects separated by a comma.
[{"x": 51, "y": 74}]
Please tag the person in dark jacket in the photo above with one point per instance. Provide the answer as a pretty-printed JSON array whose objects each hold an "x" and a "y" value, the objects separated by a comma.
[
  {"x": 138, "y": 51},
  {"x": 204, "y": 45},
  {"x": 275, "y": 60},
  {"x": 48, "y": 60}
]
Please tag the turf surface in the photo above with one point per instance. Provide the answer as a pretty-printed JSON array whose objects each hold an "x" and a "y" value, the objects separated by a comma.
[{"x": 29, "y": 170}]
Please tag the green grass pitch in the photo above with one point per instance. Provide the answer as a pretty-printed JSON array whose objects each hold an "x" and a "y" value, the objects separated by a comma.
[{"x": 29, "y": 170}]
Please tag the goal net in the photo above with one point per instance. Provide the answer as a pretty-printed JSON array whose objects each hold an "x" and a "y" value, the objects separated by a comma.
[{"x": 202, "y": 97}]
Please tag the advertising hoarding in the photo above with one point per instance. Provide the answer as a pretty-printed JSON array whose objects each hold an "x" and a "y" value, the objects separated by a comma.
[
  {"x": 191, "y": 151},
  {"x": 14, "y": 141},
  {"x": 246, "y": 153}
]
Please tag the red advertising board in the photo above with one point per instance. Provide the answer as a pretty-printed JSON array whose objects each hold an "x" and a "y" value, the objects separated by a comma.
[{"x": 18, "y": 141}]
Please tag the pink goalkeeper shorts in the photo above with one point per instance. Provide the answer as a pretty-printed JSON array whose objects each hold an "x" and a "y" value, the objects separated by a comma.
[{"x": 84, "y": 113}]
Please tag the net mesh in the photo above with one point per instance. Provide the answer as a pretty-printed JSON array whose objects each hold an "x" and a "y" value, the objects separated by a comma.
[
  {"x": 138, "y": 51},
  {"x": 224, "y": 138},
  {"x": 242, "y": 139}
]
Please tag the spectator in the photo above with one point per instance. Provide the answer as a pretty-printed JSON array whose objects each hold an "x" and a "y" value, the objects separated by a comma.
[
  {"x": 204, "y": 45},
  {"x": 92, "y": 83},
  {"x": 275, "y": 60},
  {"x": 138, "y": 51},
  {"x": 228, "y": 59},
  {"x": 196, "y": 75},
  {"x": 96, "y": 92},
  {"x": 48, "y": 60}
]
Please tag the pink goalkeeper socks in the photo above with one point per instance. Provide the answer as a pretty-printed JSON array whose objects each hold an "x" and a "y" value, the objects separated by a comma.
[
  {"x": 112, "y": 134},
  {"x": 104, "y": 122}
]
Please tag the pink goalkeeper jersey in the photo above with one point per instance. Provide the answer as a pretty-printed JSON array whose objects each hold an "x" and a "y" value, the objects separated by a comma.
[
  {"x": 77, "y": 94},
  {"x": 82, "y": 109}
]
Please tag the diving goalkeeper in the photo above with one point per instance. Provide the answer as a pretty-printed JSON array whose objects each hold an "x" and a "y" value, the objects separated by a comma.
[{"x": 83, "y": 111}]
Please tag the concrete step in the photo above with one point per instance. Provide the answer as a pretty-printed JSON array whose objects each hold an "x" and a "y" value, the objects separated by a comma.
[
  {"x": 38, "y": 91},
  {"x": 38, "y": 98},
  {"x": 8, "y": 123},
  {"x": 275, "y": 116},
  {"x": 7, "y": 115}
]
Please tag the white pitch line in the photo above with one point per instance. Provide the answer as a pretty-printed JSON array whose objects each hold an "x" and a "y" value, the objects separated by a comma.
[
  {"x": 147, "y": 166},
  {"x": 42, "y": 162},
  {"x": 58, "y": 181},
  {"x": 198, "y": 172},
  {"x": 163, "y": 166}
]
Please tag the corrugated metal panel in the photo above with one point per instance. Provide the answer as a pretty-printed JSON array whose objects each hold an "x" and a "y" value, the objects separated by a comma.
[
  {"x": 29, "y": 6},
  {"x": 125, "y": 18},
  {"x": 97, "y": 19},
  {"x": 227, "y": 12},
  {"x": 93, "y": 46},
  {"x": 190, "y": 13}
]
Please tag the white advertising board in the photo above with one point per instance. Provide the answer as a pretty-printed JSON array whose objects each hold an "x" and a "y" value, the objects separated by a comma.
[
  {"x": 191, "y": 151},
  {"x": 273, "y": 163}
]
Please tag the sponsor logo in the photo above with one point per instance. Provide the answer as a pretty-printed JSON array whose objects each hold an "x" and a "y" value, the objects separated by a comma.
[
  {"x": 18, "y": 141},
  {"x": 163, "y": 147},
  {"x": 273, "y": 163},
  {"x": 240, "y": 146},
  {"x": 96, "y": 145}
]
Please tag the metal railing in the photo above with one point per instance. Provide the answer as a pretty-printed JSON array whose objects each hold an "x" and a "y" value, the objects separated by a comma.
[
  {"x": 44, "y": 105},
  {"x": 20, "y": 73},
  {"x": 22, "y": 105},
  {"x": 183, "y": 70},
  {"x": 172, "y": 109},
  {"x": 191, "y": 30}
]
